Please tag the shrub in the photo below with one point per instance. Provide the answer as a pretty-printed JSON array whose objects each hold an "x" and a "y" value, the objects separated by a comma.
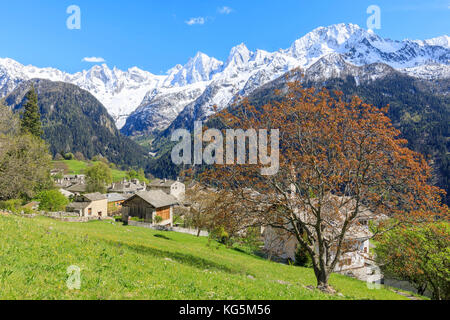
[
  {"x": 177, "y": 220},
  {"x": 302, "y": 258},
  {"x": 418, "y": 254},
  {"x": 27, "y": 210},
  {"x": 52, "y": 200},
  {"x": 58, "y": 176},
  {"x": 220, "y": 235},
  {"x": 252, "y": 238},
  {"x": 79, "y": 156},
  {"x": 98, "y": 177},
  {"x": 68, "y": 156},
  {"x": 158, "y": 219},
  {"x": 13, "y": 205}
]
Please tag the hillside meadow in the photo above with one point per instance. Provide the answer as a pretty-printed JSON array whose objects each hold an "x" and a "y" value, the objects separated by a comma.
[
  {"x": 119, "y": 262},
  {"x": 78, "y": 167}
]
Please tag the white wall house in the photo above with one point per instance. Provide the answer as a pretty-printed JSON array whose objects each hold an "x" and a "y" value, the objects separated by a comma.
[
  {"x": 284, "y": 245},
  {"x": 90, "y": 205},
  {"x": 174, "y": 188}
]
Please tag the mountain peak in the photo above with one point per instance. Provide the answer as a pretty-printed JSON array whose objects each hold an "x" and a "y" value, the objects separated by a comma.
[
  {"x": 239, "y": 55},
  {"x": 324, "y": 40},
  {"x": 199, "y": 68},
  {"x": 443, "y": 41}
]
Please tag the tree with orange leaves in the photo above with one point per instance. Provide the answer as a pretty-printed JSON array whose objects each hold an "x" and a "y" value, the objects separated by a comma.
[{"x": 337, "y": 160}]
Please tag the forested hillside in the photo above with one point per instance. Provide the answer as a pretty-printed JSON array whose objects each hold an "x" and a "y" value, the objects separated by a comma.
[
  {"x": 73, "y": 120},
  {"x": 420, "y": 109}
]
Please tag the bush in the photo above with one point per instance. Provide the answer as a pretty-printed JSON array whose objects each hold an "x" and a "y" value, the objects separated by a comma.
[
  {"x": 219, "y": 234},
  {"x": 58, "y": 157},
  {"x": 177, "y": 220},
  {"x": 58, "y": 176},
  {"x": 13, "y": 205},
  {"x": 27, "y": 211},
  {"x": 302, "y": 258},
  {"x": 98, "y": 177},
  {"x": 52, "y": 200},
  {"x": 68, "y": 156},
  {"x": 158, "y": 219},
  {"x": 418, "y": 254},
  {"x": 79, "y": 156},
  {"x": 252, "y": 238}
]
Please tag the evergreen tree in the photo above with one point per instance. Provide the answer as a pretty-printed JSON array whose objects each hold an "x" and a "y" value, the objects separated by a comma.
[{"x": 31, "y": 118}]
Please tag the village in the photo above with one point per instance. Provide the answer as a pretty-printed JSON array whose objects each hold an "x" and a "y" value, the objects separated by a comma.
[{"x": 153, "y": 205}]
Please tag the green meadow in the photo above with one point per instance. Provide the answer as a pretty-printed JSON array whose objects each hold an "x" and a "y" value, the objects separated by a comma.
[
  {"x": 124, "y": 262},
  {"x": 78, "y": 167}
]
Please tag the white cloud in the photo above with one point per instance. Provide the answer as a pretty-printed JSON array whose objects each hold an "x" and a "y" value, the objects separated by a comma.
[
  {"x": 93, "y": 59},
  {"x": 225, "y": 10},
  {"x": 198, "y": 20}
]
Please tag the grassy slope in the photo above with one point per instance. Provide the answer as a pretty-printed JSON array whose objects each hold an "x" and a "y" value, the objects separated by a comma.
[
  {"x": 120, "y": 262},
  {"x": 78, "y": 167}
]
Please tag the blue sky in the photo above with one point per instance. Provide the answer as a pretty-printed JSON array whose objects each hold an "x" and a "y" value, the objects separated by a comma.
[{"x": 155, "y": 35}]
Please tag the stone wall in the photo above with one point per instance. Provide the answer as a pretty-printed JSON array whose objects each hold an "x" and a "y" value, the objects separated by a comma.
[{"x": 72, "y": 217}]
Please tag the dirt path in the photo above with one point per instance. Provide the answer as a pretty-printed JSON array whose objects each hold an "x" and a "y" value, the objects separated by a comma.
[{"x": 407, "y": 295}]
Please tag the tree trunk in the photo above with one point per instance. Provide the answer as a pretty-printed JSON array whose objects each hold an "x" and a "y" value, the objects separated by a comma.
[
  {"x": 421, "y": 289},
  {"x": 322, "y": 277}
]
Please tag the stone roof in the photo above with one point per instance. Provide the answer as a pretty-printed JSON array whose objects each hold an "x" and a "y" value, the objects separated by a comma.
[
  {"x": 97, "y": 196},
  {"x": 114, "y": 197},
  {"x": 126, "y": 186},
  {"x": 32, "y": 204},
  {"x": 157, "y": 198},
  {"x": 78, "y": 205},
  {"x": 77, "y": 188},
  {"x": 66, "y": 193},
  {"x": 162, "y": 183}
]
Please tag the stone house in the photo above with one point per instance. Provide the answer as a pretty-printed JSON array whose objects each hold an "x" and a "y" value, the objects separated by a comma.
[
  {"x": 66, "y": 193},
  {"x": 128, "y": 188},
  {"x": 115, "y": 201},
  {"x": 69, "y": 180},
  {"x": 355, "y": 259},
  {"x": 147, "y": 205},
  {"x": 90, "y": 205},
  {"x": 284, "y": 245},
  {"x": 77, "y": 189},
  {"x": 174, "y": 188}
]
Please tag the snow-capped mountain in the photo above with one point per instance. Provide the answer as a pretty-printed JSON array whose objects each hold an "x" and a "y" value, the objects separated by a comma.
[
  {"x": 198, "y": 69},
  {"x": 334, "y": 66},
  {"x": 324, "y": 53},
  {"x": 361, "y": 47},
  {"x": 150, "y": 102},
  {"x": 120, "y": 91}
]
